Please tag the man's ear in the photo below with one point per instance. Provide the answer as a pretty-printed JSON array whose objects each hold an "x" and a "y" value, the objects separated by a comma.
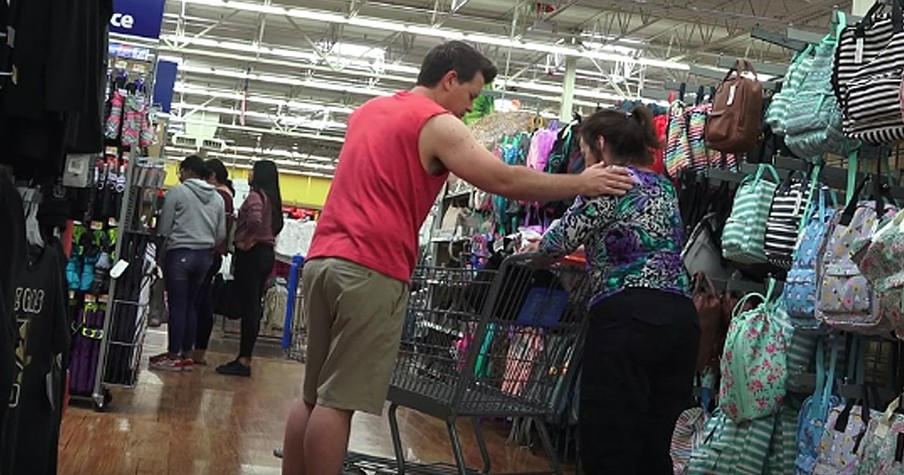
[{"x": 449, "y": 79}]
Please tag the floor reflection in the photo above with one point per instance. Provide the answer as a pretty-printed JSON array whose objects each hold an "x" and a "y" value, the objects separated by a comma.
[{"x": 205, "y": 423}]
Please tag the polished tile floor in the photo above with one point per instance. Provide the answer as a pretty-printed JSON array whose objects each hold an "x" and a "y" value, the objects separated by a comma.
[{"x": 204, "y": 423}]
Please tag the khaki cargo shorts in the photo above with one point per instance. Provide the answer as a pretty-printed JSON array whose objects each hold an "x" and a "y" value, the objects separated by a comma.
[{"x": 354, "y": 318}]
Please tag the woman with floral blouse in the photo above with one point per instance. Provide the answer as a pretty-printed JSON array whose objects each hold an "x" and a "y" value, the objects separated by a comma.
[{"x": 638, "y": 365}]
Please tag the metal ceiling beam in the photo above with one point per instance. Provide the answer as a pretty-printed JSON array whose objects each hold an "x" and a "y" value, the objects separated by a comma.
[
  {"x": 210, "y": 28},
  {"x": 379, "y": 24}
]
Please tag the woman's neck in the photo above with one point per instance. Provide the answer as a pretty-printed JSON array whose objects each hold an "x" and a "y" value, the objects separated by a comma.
[{"x": 645, "y": 168}]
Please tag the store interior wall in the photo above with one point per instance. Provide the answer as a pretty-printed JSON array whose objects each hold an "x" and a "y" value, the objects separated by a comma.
[{"x": 299, "y": 190}]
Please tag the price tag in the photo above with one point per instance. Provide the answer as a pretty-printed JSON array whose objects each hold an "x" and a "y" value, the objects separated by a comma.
[{"x": 118, "y": 269}]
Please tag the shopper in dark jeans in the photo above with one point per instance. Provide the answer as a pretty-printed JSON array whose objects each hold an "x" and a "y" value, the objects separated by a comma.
[
  {"x": 638, "y": 364},
  {"x": 193, "y": 222},
  {"x": 219, "y": 178},
  {"x": 184, "y": 272},
  {"x": 260, "y": 220}
]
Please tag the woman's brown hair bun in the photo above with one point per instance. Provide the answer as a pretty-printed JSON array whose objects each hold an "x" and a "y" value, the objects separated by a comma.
[{"x": 629, "y": 136}]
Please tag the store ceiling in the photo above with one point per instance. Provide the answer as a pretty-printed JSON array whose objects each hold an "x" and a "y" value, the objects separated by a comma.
[{"x": 307, "y": 64}]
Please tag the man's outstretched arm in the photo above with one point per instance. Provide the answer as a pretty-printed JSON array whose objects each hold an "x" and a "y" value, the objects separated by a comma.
[{"x": 447, "y": 138}]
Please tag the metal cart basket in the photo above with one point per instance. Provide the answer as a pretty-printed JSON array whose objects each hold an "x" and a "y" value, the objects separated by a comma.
[{"x": 487, "y": 344}]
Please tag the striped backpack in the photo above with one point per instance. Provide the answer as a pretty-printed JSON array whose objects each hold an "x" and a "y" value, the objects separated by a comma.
[
  {"x": 813, "y": 120},
  {"x": 677, "y": 144},
  {"x": 743, "y": 239},
  {"x": 867, "y": 75},
  {"x": 789, "y": 207}
]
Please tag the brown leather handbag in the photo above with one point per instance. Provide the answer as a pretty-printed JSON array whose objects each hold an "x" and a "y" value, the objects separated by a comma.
[
  {"x": 736, "y": 120},
  {"x": 712, "y": 328}
]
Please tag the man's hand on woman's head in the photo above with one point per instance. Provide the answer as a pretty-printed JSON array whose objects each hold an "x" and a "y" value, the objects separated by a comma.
[{"x": 600, "y": 179}]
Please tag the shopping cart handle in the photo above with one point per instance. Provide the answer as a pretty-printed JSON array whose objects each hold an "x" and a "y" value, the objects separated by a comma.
[{"x": 542, "y": 258}]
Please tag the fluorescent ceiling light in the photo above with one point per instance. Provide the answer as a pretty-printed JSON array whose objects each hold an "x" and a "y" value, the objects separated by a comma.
[
  {"x": 288, "y": 120},
  {"x": 289, "y": 81},
  {"x": 259, "y": 155},
  {"x": 260, "y": 130},
  {"x": 373, "y": 23},
  {"x": 183, "y": 88},
  {"x": 533, "y": 86},
  {"x": 367, "y": 73}
]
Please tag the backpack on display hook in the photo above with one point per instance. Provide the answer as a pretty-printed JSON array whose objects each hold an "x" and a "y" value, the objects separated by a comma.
[
  {"x": 744, "y": 236},
  {"x": 844, "y": 297},
  {"x": 736, "y": 120}
]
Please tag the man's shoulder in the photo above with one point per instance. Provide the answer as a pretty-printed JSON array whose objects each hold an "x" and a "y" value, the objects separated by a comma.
[{"x": 176, "y": 191}]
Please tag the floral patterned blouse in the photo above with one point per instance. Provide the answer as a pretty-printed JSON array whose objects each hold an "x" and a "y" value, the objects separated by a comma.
[{"x": 629, "y": 241}]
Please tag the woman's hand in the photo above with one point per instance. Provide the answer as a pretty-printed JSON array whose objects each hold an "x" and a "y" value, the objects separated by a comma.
[{"x": 600, "y": 179}]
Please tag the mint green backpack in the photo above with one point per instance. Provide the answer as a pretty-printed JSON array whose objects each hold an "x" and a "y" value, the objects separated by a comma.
[
  {"x": 754, "y": 365},
  {"x": 777, "y": 114},
  {"x": 813, "y": 122},
  {"x": 744, "y": 235}
]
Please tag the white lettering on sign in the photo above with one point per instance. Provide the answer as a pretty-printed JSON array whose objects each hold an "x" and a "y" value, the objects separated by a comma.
[{"x": 122, "y": 20}]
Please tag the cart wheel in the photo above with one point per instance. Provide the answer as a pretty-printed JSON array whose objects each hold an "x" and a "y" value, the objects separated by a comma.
[
  {"x": 351, "y": 469},
  {"x": 100, "y": 405}
]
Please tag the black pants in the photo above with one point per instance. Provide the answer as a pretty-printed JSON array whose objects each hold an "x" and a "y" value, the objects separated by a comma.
[
  {"x": 205, "y": 304},
  {"x": 637, "y": 377},
  {"x": 252, "y": 268}
]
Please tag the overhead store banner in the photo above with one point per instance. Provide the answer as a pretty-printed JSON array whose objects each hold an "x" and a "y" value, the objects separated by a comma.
[
  {"x": 164, "y": 84},
  {"x": 142, "y": 18}
]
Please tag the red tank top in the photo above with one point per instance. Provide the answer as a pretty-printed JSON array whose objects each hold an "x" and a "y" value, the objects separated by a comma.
[{"x": 380, "y": 193}]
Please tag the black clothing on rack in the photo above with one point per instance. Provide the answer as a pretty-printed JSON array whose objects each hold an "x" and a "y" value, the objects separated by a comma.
[
  {"x": 51, "y": 100},
  {"x": 12, "y": 260},
  {"x": 33, "y": 423}
]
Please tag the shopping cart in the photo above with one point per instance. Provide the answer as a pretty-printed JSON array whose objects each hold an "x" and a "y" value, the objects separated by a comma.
[
  {"x": 294, "y": 338},
  {"x": 486, "y": 344}
]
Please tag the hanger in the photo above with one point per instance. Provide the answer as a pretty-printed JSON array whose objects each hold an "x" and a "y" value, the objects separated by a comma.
[{"x": 31, "y": 200}]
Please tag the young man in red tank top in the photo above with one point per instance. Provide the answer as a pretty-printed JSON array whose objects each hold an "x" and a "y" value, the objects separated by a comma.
[{"x": 398, "y": 152}]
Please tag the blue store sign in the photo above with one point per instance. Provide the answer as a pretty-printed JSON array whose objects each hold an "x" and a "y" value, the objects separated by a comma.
[{"x": 137, "y": 18}]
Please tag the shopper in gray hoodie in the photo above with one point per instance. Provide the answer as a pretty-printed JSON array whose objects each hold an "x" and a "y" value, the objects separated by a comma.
[{"x": 193, "y": 222}]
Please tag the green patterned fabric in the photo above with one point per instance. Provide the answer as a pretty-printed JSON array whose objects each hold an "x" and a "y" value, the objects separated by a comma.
[
  {"x": 777, "y": 114},
  {"x": 733, "y": 448},
  {"x": 813, "y": 117},
  {"x": 783, "y": 449},
  {"x": 754, "y": 363},
  {"x": 879, "y": 446},
  {"x": 744, "y": 236}
]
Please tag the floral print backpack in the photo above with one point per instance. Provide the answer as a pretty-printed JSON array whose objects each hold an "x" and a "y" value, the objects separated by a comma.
[
  {"x": 799, "y": 293},
  {"x": 879, "y": 260},
  {"x": 879, "y": 451},
  {"x": 844, "y": 297},
  {"x": 754, "y": 365}
]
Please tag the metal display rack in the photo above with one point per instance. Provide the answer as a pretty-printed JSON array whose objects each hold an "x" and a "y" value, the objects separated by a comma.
[{"x": 122, "y": 338}]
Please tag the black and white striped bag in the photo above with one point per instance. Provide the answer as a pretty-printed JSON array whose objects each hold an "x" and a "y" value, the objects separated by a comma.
[
  {"x": 869, "y": 61},
  {"x": 789, "y": 205}
]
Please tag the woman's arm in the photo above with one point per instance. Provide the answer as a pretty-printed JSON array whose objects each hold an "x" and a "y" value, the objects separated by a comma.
[
  {"x": 251, "y": 213},
  {"x": 573, "y": 230}
]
